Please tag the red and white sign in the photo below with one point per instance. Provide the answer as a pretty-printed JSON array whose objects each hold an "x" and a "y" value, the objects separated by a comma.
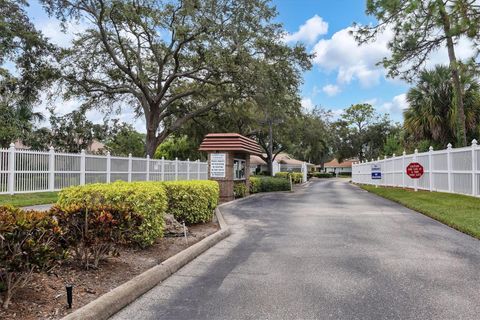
[{"x": 415, "y": 170}]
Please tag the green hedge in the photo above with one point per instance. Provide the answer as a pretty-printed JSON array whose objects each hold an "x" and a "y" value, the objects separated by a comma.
[
  {"x": 268, "y": 184},
  {"x": 239, "y": 189},
  {"x": 192, "y": 201},
  {"x": 297, "y": 177},
  {"x": 149, "y": 200},
  {"x": 323, "y": 175}
]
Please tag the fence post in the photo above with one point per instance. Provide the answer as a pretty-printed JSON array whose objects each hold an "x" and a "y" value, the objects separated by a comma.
[
  {"x": 51, "y": 169},
  {"x": 393, "y": 170},
  {"x": 11, "y": 169},
  {"x": 198, "y": 169},
  {"x": 474, "y": 168},
  {"x": 449, "y": 167},
  {"x": 82, "y": 167},
  {"x": 148, "y": 168},
  {"x": 415, "y": 181},
  {"x": 430, "y": 169},
  {"x": 188, "y": 169},
  {"x": 385, "y": 168},
  {"x": 129, "y": 167},
  {"x": 163, "y": 169},
  {"x": 109, "y": 167},
  {"x": 176, "y": 169},
  {"x": 403, "y": 168}
]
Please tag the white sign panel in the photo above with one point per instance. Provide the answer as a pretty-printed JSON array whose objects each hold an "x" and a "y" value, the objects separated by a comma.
[{"x": 217, "y": 165}]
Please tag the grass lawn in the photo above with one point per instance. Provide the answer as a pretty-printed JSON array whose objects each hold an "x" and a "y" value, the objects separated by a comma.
[
  {"x": 29, "y": 199},
  {"x": 457, "y": 211}
]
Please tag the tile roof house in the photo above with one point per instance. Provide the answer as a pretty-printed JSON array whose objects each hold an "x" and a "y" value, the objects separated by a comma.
[{"x": 337, "y": 167}]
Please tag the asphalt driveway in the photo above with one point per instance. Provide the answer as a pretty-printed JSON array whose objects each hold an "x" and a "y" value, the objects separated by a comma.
[{"x": 327, "y": 251}]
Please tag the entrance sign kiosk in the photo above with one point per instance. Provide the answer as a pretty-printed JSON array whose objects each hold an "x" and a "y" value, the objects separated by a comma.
[{"x": 229, "y": 160}]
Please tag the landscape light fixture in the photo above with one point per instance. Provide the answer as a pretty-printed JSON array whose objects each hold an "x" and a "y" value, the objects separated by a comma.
[{"x": 69, "y": 288}]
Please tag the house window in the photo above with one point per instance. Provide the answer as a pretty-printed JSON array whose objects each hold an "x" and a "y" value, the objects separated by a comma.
[{"x": 239, "y": 169}]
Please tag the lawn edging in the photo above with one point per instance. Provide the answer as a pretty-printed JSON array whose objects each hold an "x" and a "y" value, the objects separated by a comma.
[{"x": 113, "y": 301}]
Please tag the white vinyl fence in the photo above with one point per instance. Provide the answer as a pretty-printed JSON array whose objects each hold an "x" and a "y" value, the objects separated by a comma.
[
  {"x": 277, "y": 167},
  {"x": 455, "y": 170},
  {"x": 35, "y": 171}
]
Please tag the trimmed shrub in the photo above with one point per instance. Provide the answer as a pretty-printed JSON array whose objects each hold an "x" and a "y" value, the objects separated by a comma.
[
  {"x": 255, "y": 184},
  {"x": 93, "y": 233},
  {"x": 297, "y": 177},
  {"x": 323, "y": 175},
  {"x": 239, "y": 190},
  {"x": 146, "y": 199},
  {"x": 269, "y": 184},
  {"x": 192, "y": 201},
  {"x": 284, "y": 175},
  {"x": 28, "y": 243}
]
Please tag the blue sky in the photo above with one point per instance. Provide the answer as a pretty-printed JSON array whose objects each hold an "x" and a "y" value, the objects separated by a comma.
[
  {"x": 336, "y": 83},
  {"x": 343, "y": 73}
]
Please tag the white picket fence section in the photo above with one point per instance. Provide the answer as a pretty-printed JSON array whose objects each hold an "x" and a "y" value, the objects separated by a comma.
[
  {"x": 24, "y": 171},
  {"x": 454, "y": 170}
]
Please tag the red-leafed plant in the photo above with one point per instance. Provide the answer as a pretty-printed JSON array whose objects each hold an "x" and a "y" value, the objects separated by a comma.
[{"x": 28, "y": 243}]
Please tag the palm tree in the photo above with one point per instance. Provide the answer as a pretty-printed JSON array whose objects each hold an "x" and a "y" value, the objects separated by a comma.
[{"x": 432, "y": 114}]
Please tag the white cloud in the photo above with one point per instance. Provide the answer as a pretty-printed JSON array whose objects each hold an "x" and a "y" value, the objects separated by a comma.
[
  {"x": 53, "y": 30},
  {"x": 307, "y": 104},
  {"x": 309, "y": 31},
  {"x": 397, "y": 105},
  {"x": 341, "y": 53},
  {"x": 331, "y": 90}
]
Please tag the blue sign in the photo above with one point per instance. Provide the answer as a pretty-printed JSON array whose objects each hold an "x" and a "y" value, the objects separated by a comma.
[
  {"x": 376, "y": 172},
  {"x": 376, "y": 175}
]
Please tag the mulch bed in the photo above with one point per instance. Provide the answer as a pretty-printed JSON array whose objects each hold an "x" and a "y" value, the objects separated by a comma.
[{"x": 45, "y": 296}]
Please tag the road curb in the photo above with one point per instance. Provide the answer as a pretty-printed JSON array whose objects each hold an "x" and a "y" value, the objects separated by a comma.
[{"x": 113, "y": 301}]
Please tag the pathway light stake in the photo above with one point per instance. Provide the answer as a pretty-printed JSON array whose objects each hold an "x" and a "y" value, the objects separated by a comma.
[
  {"x": 69, "y": 288},
  {"x": 185, "y": 232}
]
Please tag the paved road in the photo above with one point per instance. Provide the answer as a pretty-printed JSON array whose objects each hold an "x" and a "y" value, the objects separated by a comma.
[{"x": 328, "y": 251}]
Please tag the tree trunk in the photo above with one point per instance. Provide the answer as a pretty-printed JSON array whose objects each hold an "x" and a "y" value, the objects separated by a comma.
[
  {"x": 151, "y": 142},
  {"x": 461, "y": 130}
]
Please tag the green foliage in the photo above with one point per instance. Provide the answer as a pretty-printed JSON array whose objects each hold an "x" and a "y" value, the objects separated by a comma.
[
  {"x": 284, "y": 175},
  {"x": 361, "y": 133},
  {"x": 95, "y": 232},
  {"x": 210, "y": 58},
  {"x": 420, "y": 29},
  {"x": 28, "y": 243},
  {"x": 323, "y": 175},
  {"x": 73, "y": 132},
  {"x": 268, "y": 184},
  {"x": 23, "y": 49},
  {"x": 255, "y": 184},
  {"x": 457, "y": 211},
  {"x": 192, "y": 201},
  {"x": 239, "y": 189},
  {"x": 297, "y": 177},
  {"x": 124, "y": 140},
  {"x": 146, "y": 199},
  {"x": 182, "y": 147},
  {"x": 432, "y": 114}
]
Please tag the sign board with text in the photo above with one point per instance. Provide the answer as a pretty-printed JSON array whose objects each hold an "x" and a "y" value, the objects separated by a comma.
[
  {"x": 376, "y": 172},
  {"x": 217, "y": 165},
  {"x": 415, "y": 170}
]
